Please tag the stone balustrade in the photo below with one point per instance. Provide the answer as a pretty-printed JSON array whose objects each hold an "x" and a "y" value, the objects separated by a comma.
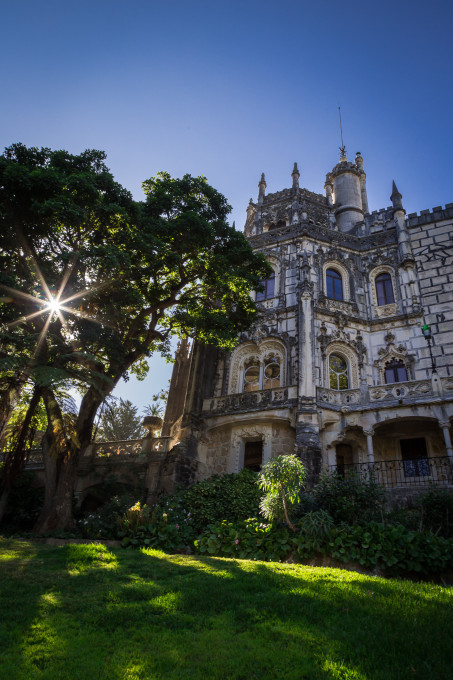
[
  {"x": 337, "y": 397},
  {"x": 260, "y": 399}
]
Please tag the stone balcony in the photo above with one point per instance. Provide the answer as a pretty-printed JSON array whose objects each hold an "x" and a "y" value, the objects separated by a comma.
[
  {"x": 278, "y": 397},
  {"x": 403, "y": 392}
]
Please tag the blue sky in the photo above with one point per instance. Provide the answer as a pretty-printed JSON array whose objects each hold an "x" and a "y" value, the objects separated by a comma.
[{"x": 233, "y": 89}]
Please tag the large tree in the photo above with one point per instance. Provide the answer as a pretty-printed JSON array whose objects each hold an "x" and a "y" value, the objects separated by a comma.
[{"x": 103, "y": 282}]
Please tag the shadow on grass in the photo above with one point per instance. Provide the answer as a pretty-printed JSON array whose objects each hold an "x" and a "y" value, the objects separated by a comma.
[{"x": 84, "y": 611}]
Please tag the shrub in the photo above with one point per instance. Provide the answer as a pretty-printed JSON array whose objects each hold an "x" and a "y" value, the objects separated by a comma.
[
  {"x": 104, "y": 523},
  {"x": 351, "y": 499},
  {"x": 141, "y": 526},
  {"x": 249, "y": 539},
  {"x": 221, "y": 497},
  {"x": 437, "y": 512},
  {"x": 282, "y": 477},
  {"x": 315, "y": 528},
  {"x": 393, "y": 548}
]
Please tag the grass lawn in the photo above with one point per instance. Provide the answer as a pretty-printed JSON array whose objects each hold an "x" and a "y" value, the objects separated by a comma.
[{"x": 88, "y": 612}]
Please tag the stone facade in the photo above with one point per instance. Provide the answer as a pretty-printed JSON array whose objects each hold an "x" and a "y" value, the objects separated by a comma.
[{"x": 337, "y": 368}]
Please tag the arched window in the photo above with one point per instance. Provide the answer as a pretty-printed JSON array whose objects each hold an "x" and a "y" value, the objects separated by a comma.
[
  {"x": 395, "y": 371},
  {"x": 384, "y": 289},
  {"x": 338, "y": 373},
  {"x": 262, "y": 375},
  {"x": 334, "y": 285},
  {"x": 269, "y": 289},
  {"x": 271, "y": 373},
  {"x": 252, "y": 377}
]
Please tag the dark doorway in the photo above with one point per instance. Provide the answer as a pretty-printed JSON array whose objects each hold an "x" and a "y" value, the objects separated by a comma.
[
  {"x": 253, "y": 456},
  {"x": 344, "y": 458},
  {"x": 415, "y": 457}
]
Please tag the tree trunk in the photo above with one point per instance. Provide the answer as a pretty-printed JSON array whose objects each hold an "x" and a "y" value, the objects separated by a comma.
[
  {"x": 288, "y": 521},
  {"x": 63, "y": 462},
  {"x": 15, "y": 460}
]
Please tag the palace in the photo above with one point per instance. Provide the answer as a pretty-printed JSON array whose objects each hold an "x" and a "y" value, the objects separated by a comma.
[{"x": 349, "y": 364}]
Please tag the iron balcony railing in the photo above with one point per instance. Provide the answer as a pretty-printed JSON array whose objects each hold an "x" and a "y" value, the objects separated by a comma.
[{"x": 395, "y": 473}]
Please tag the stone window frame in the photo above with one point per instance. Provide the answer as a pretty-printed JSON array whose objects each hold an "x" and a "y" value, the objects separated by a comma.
[
  {"x": 394, "y": 353},
  {"x": 344, "y": 273},
  {"x": 276, "y": 266},
  {"x": 392, "y": 307},
  {"x": 351, "y": 359},
  {"x": 259, "y": 352}
]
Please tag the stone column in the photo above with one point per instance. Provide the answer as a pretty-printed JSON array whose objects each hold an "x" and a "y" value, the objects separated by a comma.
[
  {"x": 369, "y": 445},
  {"x": 445, "y": 425}
]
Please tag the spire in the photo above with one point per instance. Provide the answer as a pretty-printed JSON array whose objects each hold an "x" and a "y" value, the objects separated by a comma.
[
  {"x": 262, "y": 188},
  {"x": 342, "y": 147},
  {"x": 295, "y": 175},
  {"x": 396, "y": 197}
]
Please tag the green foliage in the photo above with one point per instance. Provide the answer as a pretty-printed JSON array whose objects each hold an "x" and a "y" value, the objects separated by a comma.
[
  {"x": 119, "y": 421},
  {"x": 134, "y": 274},
  {"x": 221, "y": 497},
  {"x": 282, "y": 477},
  {"x": 351, "y": 499},
  {"x": 437, "y": 512},
  {"x": 104, "y": 523},
  {"x": 392, "y": 548},
  {"x": 315, "y": 528},
  {"x": 140, "y": 526},
  {"x": 248, "y": 539}
]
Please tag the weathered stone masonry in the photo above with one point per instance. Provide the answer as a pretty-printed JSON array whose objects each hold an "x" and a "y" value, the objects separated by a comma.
[{"x": 336, "y": 369}]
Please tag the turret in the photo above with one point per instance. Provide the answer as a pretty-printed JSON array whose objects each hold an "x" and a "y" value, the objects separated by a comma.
[
  {"x": 261, "y": 189},
  {"x": 359, "y": 164},
  {"x": 347, "y": 193}
]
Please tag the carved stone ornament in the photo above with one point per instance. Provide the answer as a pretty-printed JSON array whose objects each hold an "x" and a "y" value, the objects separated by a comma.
[
  {"x": 390, "y": 353},
  {"x": 258, "y": 350}
]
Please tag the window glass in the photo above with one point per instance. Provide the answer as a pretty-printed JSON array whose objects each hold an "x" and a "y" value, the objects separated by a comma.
[
  {"x": 395, "y": 371},
  {"x": 252, "y": 378},
  {"x": 415, "y": 457},
  {"x": 269, "y": 289},
  {"x": 334, "y": 285},
  {"x": 338, "y": 373},
  {"x": 272, "y": 374},
  {"x": 384, "y": 289}
]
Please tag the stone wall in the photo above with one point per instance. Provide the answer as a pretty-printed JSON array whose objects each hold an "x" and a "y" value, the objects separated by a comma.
[{"x": 432, "y": 243}]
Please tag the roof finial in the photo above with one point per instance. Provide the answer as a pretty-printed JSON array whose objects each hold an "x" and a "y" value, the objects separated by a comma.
[
  {"x": 262, "y": 188},
  {"x": 342, "y": 147},
  {"x": 295, "y": 175},
  {"x": 396, "y": 197}
]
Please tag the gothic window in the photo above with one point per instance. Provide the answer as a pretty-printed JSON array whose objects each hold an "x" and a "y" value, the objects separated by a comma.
[
  {"x": 338, "y": 373},
  {"x": 262, "y": 375},
  {"x": 252, "y": 377},
  {"x": 269, "y": 289},
  {"x": 271, "y": 373},
  {"x": 395, "y": 371},
  {"x": 384, "y": 289},
  {"x": 334, "y": 285}
]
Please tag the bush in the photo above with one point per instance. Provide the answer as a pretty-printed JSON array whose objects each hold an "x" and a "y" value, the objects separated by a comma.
[
  {"x": 104, "y": 522},
  {"x": 350, "y": 499},
  {"x": 141, "y": 526},
  {"x": 221, "y": 497},
  {"x": 249, "y": 539},
  {"x": 437, "y": 512},
  {"x": 392, "y": 548}
]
